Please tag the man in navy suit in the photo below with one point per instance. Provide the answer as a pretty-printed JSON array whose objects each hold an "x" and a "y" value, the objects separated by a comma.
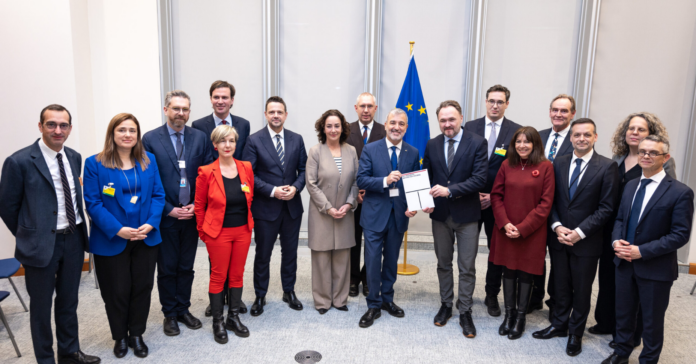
[
  {"x": 586, "y": 184},
  {"x": 385, "y": 215},
  {"x": 498, "y": 130},
  {"x": 180, "y": 150},
  {"x": 222, "y": 98},
  {"x": 278, "y": 158},
  {"x": 457, "y": 164},
  {"x": 41, "y": 195},
  {"x": 654, "y": 220}
]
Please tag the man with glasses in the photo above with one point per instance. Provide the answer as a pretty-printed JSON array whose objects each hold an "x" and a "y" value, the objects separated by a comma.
[
  {"x": 654, "y": 220},
  {"x": 498, "y": 130},
  {"x": 179, "y": 151},
  {"x": 41, "y": 193}
]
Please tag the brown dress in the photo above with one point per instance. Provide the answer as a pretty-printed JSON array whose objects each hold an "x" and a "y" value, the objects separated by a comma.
[{"x": 522, "y": 198}]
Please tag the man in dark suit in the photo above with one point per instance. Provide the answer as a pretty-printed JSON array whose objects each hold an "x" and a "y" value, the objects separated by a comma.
[
  {"x": 498, "y": 130},
  {"x": 41, "y": 193},
  {"x": 586, "y": 184},
  {"x": 278, "y": 158},
  {"x": 385, "y": 215},
  {"x": 457, "y": 164},
  {"x": 180, "y": 150},
  {"x": 556, "y": 143},
  {"x": 222, "y": 98},
  {"x": 654, "y": 220},
  {"x": 365, "y": 130}
]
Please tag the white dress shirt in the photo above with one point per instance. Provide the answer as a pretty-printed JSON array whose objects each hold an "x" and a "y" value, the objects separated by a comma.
[
  {"x": 218, "y": 121},
  {"x": 552, "y": 135},
  {"x": 457, "y": 138},
  {"x": 52, "y": 162},
  {"x": 369, "y": 128},
  {"x": 585, "y": 159},
  {"x": 487, "y": 132},
  {"x": 282, "y": 143},
  {"x": 398, "y": 153}
]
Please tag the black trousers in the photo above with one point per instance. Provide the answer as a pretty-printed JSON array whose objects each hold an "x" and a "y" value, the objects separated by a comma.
[
  {"x": 573, "y": 277},
  {"x": 539, "y": 292},
  {"x": 494, "y": 273},
  {"x": 605, "y": 309},
  {"x": 357, "y": 274},
  {"x": 62, "y": 275},
  {"x": 177, "y": 254},
  {"x": 126, "y": 282}
]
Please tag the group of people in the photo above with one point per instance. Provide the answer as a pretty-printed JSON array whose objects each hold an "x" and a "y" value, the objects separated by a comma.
[{"x": 150, "y": 198}]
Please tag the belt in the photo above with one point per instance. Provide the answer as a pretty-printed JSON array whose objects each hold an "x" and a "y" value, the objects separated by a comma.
[{"x": 67, "y": 231}]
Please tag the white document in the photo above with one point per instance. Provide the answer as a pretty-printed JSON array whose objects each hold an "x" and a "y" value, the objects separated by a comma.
[{"x": 417, "y": 189}]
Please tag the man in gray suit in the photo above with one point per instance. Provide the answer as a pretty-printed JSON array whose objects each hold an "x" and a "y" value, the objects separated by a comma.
[{"x": 42, "y": 206}]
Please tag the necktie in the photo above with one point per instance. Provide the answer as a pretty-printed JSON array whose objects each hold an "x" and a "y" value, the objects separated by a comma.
[
  {"x": 365, "y": 134},
  {"x": 67, "y": 195},
  {"x": 394, "y": 161},
  {"x": 279, "y": 149},
  {"x": 184, "y": 193},
  {"x": 492, "y": 138},
  {"x": 450, "y": 154},
  {"x": 224, "y": 122},
  {"x": 574, "y": 178},
  {"x": 554, "y": 146},
  {"x": 634, "y": 216}
]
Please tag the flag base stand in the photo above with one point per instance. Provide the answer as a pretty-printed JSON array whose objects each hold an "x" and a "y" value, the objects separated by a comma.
[{"x": 406, "y": 269}]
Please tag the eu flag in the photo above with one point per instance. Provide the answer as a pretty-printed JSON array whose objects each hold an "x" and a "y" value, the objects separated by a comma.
[{"x": 411, "y": 100}]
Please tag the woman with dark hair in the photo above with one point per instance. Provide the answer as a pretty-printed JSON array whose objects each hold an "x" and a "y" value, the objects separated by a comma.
[
  {"x": 124, "y": 199},
  {"x": 332, "y": 170},
  {"x": 521, "y": 198}
]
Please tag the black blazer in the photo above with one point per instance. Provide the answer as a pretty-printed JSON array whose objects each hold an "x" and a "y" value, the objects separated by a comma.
[
  {"x": 507, "y": 130},
  {"x": 30, "y": 205},
  {"x": 664, "y": 227},
  {"x": 565, "y": 148},
  {"x": 592, "y": 205},
  {"x": 356, "y": 140},
  {"x": 268, "y": 173},
  {"x": 207, "y": 125},
  {"x": 467, "y": 179},
  {"x": 197, "y": 153}
]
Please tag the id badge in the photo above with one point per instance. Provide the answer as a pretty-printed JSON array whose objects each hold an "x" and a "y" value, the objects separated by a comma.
[
  {"x": 134, "y": 199},
  {"x": 182, "y": 164},
  {"x": 182, "y": 183},
  {"x": 393, "y": 192},
  {"x": 109, "y": 190}
]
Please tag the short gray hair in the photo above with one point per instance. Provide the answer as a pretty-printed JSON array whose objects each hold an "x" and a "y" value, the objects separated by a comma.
[
  {"x": 223, "y": 131},
  {"x": 658, "y": 139},
  {"x": 175, "y": 93},
  {"x": 396, "y": 112},
  {"x": 374, "y": 99}
]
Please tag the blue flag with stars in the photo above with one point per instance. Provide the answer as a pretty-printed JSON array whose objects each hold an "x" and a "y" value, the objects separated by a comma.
[{"x": 412, "y": 102}]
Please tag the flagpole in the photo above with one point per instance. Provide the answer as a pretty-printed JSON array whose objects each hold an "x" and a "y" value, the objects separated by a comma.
[{"x": 407, "y": 269}]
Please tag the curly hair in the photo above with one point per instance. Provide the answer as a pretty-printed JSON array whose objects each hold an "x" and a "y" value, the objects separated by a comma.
[
  {"x": 321, "y": 123},
  {"x": 655, "y": 127}
]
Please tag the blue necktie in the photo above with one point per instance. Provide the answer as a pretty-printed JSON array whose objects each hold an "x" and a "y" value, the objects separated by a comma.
[
  {"x": 635, "y": 211},
  {"x": 365, "y": 134},
  {"x": 574, "y": 178},
  {"x": 394, "y": 161},
  {"x": 552, "y": 150}
]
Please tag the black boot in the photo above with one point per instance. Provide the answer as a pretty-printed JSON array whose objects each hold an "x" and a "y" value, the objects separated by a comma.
[
  {"x": 233, "y": 324},
  {"x": 524, "y": 295},
  {"x": 217, "y": 306},
  {"x": 510, "y": 301}
]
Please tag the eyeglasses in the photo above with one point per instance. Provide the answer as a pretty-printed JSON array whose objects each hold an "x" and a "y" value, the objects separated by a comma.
[
  {"x": 180, "y": 110},
  {"x": 495, "y": 102},
  {"x": 52, "y": 126},
  {"x": 649, "y": 153},
  {"x": 562, "y": 111}
]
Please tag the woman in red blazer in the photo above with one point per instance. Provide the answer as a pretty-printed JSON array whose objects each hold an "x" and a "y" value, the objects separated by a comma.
[{"x": 225, "y": 189}]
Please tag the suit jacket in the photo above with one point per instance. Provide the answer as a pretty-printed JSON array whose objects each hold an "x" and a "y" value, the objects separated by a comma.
[
  {"x": 507, "y": 130},
  {"x": 108, "y": 214},
  {"x": 565, "y": 148},
  {"x": 269, "y": 173},
  {"x": 30, "y": 205},
  {"x": 328, "y": 188},
  {"x": 211, "y": 200},
  {"x": 356, "y": 140},
  {"x": 377, "y": 205},
  {"x": 664, "y": 227},
  {"x": 206, "y": 124},
  {"x": 467, "y": 179},
  {"x": 197, "y": 152},
  {"x": 592, "y": 204}
]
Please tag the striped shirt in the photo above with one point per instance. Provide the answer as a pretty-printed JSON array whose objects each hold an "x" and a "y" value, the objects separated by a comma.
[{"x": 338, "y": 163}]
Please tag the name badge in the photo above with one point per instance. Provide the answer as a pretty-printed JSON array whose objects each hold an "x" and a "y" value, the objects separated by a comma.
[
  {"x": 134, "y": 199},
  {"x": 182, "y": 164},
  {"x": 245, "y": 188},
  {"x": 109, "y": 190},
  {"x": 393, "y": 192},
  {"x": 500, "y": 151},
  {"x": 182, "y": 183}
]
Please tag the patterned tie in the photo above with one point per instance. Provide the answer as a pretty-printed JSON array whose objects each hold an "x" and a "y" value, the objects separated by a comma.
[
  {"x": 394, "y": 161},
  {"x": 450, "y": 154},
  {"x": 634, "y": 216},
  {"x": 69, "y": 207},
  {"x": 365, "y": 134},
  {"x": 554, "y": 146},
  {"x": 279, "y": 149},
  {"x": 492, "y": 138},
  {"x": 184, "y": 192},
  {"x": 574, "y": 178}
]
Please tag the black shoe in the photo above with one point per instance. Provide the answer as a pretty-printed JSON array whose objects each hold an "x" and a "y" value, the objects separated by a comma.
[
  {"x": 342, "y": 308},
  {"x": 443, "y": 315},
  {"x": 217, "y": 303},
  {"x": 190, "y": 321},
  {"x": 170, "y": 326},
  {"x": 353, "y": 290},
  {"x": 292, "y": 301},
  {"x": 596, "y": 330},
  {"x": 207, "y": 311},
  {"x": 467, "y": 324},
  {"x": 493, "y": 307},
  {"x": 121, "y": 348},
  {"x": 510, "y": 302},
  {"x": 615, "y": 359},
  {"x": 369, "y": 317},
  {"x": 612, "y": 344},
  {"x": 139, "y": 348},
  {"x": 233, "y": 323},
  {"x": 524, "y": 294},
  {"x": 574, "y": 346},
  {"x": 257, "y": 307},
  {"x": 366, "y": 291},
  {"x": 533, "y": 306},
  {"x": 549, "y": 332},
  {"x": 322, "y": 310},
  {"x": 80, "y": 358},
  {"x": 393, "y": 309}
]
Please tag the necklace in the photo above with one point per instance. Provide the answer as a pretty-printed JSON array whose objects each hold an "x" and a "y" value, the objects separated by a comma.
[{"x": 524, "y": 165}]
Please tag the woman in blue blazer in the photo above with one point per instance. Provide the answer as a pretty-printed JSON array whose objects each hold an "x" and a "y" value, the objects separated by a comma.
[{"x": 124, "y": 198}]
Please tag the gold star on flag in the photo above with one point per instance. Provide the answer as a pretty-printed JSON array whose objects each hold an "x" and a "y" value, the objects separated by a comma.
[
  {"x": 409, "y": 106},
  {"x": 422, "y": 110}
]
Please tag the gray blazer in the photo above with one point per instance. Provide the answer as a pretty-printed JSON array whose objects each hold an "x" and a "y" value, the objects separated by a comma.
[
  {"x": 670, "y": 166},
  {"x": 327, "y": 188}
]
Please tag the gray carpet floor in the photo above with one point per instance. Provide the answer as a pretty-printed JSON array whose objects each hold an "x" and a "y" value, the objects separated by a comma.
[{"x": 280, "y": 333}]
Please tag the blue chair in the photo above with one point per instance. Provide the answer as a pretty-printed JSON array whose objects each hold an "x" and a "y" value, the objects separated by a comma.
[
  {"x": 3, "y": 295},
  {"x": 8, "y": 267}
]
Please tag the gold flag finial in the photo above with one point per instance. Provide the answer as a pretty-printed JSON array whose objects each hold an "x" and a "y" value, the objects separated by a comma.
[{"x": 411, "y": 43}]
